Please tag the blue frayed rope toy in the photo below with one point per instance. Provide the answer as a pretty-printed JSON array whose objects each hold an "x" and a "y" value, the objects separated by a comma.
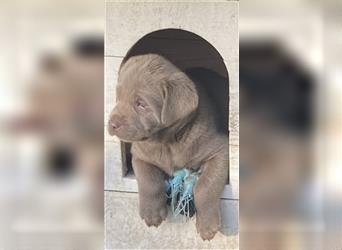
[{"x": 180, "y": 192}]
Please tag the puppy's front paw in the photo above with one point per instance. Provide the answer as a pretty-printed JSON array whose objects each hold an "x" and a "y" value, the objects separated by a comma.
[
  {"x": 153, "y": 215},
  {"x": 207, "y": 225}
]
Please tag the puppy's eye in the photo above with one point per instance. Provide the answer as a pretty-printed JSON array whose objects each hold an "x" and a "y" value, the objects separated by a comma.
[{"x": 140, "y": 104}]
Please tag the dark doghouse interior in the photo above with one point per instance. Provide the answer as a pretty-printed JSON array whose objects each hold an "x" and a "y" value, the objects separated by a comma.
[{"x": 195, "y": 56}]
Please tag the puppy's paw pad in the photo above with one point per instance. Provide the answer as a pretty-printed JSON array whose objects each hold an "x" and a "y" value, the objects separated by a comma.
[
  {"x": 207, "y": 233},
  {"x": 207, "y": 230},
  {"x": 153, "y": 216}
]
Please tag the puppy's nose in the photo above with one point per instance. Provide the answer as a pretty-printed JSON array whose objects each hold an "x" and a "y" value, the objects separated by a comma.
[{"x": 115, "y": 122}]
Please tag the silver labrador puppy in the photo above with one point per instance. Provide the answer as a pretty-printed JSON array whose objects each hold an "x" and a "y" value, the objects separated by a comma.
[{"x": 171, "y": 123}]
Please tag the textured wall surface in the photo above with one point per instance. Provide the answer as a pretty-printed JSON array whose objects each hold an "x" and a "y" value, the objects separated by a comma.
[{"x": 126, "y": 23}]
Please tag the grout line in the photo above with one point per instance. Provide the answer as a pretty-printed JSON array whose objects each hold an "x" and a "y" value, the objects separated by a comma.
[
  {"x": 133, "y": 192},
  {"x": 120, "y": 191}
]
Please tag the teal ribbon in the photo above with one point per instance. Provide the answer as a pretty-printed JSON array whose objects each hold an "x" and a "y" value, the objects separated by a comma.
[{"x": 180, "y": 190}]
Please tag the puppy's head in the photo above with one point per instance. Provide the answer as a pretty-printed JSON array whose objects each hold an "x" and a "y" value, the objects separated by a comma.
[{"x": 151, "y": 94}]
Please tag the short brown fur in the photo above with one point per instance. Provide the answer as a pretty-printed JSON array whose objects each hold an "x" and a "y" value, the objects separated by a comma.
[{"x": 170, "y": 121}]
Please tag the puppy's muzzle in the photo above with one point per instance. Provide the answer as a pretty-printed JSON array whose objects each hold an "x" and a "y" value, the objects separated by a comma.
[{"x": 114, "y": 125}]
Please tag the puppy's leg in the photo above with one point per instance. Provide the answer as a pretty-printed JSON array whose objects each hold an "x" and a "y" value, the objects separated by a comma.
[
  {"x": 152, "y": 195},
  {"x": 207, "y": 195}
]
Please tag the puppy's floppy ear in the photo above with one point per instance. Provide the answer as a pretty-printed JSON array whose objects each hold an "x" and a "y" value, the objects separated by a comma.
[{"x": 180, "y": 98}]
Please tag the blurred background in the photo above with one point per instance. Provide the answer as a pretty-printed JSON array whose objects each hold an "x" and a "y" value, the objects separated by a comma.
[
  {"x": 290, "y": 125},
  {"x": 51, "y": 124},
  {"x": 51, "y": 131}
]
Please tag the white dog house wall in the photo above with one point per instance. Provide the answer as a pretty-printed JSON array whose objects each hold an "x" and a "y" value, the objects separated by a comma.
[{"x": 190, "y": 35}]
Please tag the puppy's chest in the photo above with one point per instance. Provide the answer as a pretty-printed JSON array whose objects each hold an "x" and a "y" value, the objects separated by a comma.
[{"x": 167, "y": 157}]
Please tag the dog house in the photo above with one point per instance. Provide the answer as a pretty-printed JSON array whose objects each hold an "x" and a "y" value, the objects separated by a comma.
[{"x": 190, "y": 35}]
